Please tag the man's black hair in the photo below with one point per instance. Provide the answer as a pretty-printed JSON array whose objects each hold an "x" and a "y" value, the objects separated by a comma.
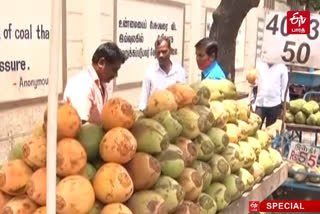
[
  {"x": 161, "y": 39},
  {"x": 111, "y": 52},
  {"x": 210, "y": 46}
]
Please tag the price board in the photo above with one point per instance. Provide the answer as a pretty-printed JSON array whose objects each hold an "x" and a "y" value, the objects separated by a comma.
[
  {"x": 291, "y": 49},
  {"x": 304, "y": 154}
]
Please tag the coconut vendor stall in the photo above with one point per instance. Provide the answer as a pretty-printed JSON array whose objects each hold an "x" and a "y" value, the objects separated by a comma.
[
  {"x": 300, "y": 115},
  {"x": 196, "y": 149}
]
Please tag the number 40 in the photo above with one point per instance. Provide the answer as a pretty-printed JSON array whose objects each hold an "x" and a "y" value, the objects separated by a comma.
[
  {"x": 273, "y": 26},
  {"x": 302, "y": 53}
]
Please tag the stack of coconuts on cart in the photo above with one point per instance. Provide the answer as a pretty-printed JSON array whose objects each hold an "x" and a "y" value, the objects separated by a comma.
[{"x": 193, "y": 150}]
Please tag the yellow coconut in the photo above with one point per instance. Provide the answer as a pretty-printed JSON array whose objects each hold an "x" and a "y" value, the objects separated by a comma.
[
  {"x": 117, "y": 112},
  {"x": 19, "y": 205},
  {"x": 14, "y": 177},
  {"x": 112, "y": 183},
  {"x": 183, "y": 94},
  {"x": 115, "y": 208},
  {"x": 37, "y": 186},
  {"x": 118, "y": 145},
  {"x": 160, "y": 100},
  {"x": 72, "y": 157},
  {"x": 252, "y": 76},
  {"x": 34, "y": 151},
  {"x": 75, "y": 195},
  {"x": 69, "y": 121},
  {"x": 233, "y": 132},
  {"x": 41, "y": 210}
]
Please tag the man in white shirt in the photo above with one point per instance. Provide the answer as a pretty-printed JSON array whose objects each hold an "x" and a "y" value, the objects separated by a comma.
[
  {"x": 272, "y": 82},
  {"x": 161, "y": 74},
  {"x": 87, "y": 91}
]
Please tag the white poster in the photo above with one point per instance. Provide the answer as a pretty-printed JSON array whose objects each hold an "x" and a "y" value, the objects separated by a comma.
[
  {"x": 139, "y": 24},
  {"x": 240, "y": 41},
  {"x": 24, "y": 45},
  {"x": 292, "y": 49}
]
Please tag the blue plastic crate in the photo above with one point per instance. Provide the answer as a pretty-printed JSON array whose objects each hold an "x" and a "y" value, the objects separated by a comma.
[{"x": 309, "y": 79}]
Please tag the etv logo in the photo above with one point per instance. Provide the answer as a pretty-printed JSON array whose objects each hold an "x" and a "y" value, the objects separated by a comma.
[
  {"x": 298, "y": 22},
  {"x": 253, "y": 206}
]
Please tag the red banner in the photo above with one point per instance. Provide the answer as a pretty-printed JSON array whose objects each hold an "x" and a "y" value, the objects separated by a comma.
[{"x": 284, "y": 206}]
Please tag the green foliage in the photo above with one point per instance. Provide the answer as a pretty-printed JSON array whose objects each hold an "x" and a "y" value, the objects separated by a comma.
[{"x": 315, "y": 4}]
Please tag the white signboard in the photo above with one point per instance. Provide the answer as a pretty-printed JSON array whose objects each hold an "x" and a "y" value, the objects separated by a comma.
[
  {"x": 292, "y": 49},
  {"x": 240, "y": 41},
  {"x": 24, "y": 45},
  {"x": 304, "y": 154},
  {"x": 139, "y": 24}
]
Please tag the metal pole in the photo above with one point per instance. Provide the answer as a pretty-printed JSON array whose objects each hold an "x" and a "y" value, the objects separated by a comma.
[
  {"x": 284, "y": 107},
  {"x": 55, "y": 49}
]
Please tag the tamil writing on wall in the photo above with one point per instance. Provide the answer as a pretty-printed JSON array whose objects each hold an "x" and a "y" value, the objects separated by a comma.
[
  {"x": 138, "y": 25},
  {"x": 24, "y": 44}
]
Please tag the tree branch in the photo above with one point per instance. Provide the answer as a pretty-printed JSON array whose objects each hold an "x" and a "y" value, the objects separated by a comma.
[{"x": 227, "y": 19}]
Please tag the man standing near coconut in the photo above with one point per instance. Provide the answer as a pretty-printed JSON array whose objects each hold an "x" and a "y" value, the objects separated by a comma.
[
  {"x": 161, "y": 74},
  {"x": 87, "y": 90},
  {"x": 207, "y": 53},
  {"x": 271, "y": 82}
]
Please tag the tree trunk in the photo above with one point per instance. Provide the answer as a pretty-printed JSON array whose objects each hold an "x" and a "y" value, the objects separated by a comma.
[{"x": 227, "y": 19}]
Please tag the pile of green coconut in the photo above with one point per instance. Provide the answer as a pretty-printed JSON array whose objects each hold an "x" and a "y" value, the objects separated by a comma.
[
  {"x": 193, "y": 150},
  {"x": 199, "y": 149}
]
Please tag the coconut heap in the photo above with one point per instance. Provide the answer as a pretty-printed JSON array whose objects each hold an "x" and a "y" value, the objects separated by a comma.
[
  {"x": 302, "y": 173},
  {"x": 301, "y": 111},
  {"x": 194, "y": 150}
]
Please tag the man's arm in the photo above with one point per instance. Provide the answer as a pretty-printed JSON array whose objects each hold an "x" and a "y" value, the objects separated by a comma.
[{"x": 80, "y": 98}]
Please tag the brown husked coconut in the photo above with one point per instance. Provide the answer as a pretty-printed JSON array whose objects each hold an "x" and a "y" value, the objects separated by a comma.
[
  {"x": 71, "y": 157},
  {"x": 183, "y": 94},
  {"x": 160, "y": 100},
  {"x": 118, "y": 145},
  {"x": 34, "y": 151},
  {"x": 37, "y": 186},
  {"x": 75, "y": 195},
  {"x": 189, "y": 150},
  {"x": 192, "y": 183},
  {"x": 117, "y": 112},
  {"x": 147, "y": 202},
  {"x": 19, "y": 205},
  {"x": 144, "y": 170},
  {"x": 188, "y": 207},
  {"x": 112, "y": 183},
  {"x": 14, "y": 177}
]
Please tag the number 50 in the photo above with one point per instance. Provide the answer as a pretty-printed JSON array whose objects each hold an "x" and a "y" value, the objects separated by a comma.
[{"x": 303, "y": 47}]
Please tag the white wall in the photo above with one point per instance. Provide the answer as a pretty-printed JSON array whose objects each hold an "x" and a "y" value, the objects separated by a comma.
[{"x": 90, "y": 23}]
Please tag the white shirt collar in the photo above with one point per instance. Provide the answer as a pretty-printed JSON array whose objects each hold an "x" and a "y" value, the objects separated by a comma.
[{"x": 171, "y": 72}]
